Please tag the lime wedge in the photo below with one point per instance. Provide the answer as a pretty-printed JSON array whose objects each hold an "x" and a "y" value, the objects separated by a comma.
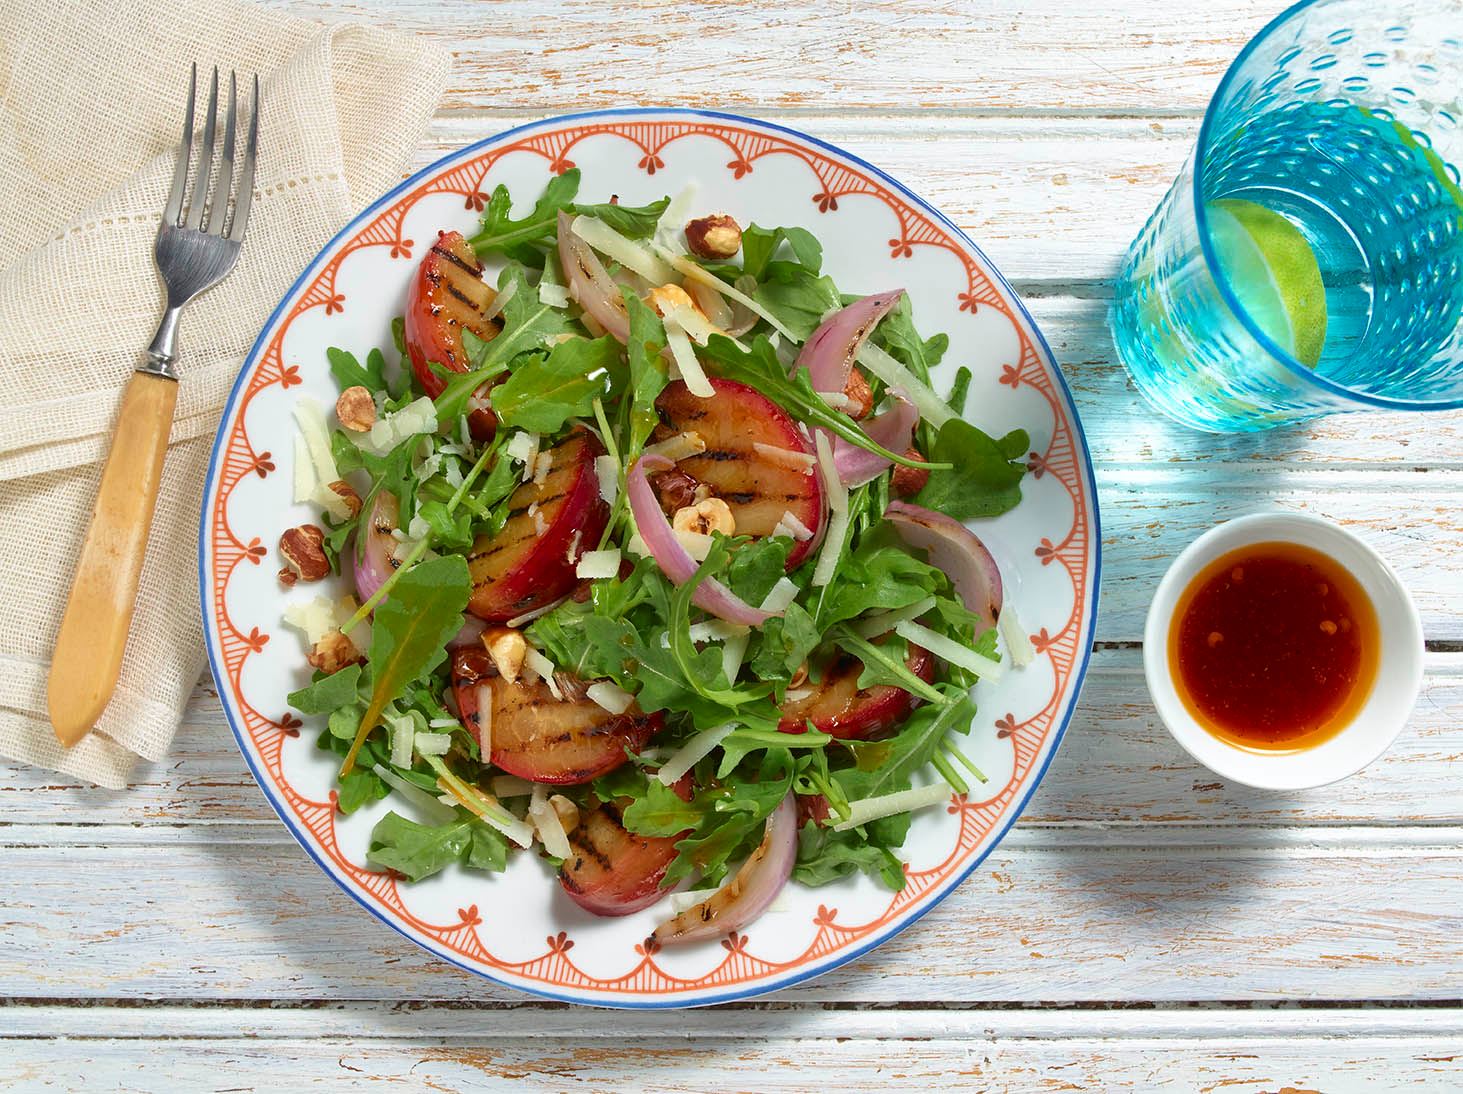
[{"x": 1274, "y": 273}]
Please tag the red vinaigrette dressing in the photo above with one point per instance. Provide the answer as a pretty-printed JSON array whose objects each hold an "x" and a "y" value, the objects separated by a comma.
[{"x": 1274, "y": 647}]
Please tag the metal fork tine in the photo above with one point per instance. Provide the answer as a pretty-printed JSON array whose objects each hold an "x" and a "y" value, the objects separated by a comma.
[
  {"x": 174, "y": 209},
  {"x": 218, "y": 204},
  {"x": 199, "y": 202},
  {"x": 246, "y": 173}
]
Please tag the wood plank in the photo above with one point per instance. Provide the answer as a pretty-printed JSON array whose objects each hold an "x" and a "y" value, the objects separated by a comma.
[
  {"x": 1118, "y": 765},
  {"x": 1045, "y": 919},
  {"x": 920, "y": 56},
  {"x": 766, "y": 1048},
  {"x": 1414, "y": 519},
  {"x": 1050, "y": 200}
]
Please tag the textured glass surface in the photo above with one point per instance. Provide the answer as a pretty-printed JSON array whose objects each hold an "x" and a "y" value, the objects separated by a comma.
[{"x": 1343, "y": 117}]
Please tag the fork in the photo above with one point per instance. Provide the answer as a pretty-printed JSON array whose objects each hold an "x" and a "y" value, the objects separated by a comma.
[{"x": 197, "y": 245}]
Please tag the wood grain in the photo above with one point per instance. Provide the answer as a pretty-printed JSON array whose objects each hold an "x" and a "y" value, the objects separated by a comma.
[
  {"x": 87, "y": 657},
  {"x": 765, "y": 1049},
  {"x": 918, "y": 57}
]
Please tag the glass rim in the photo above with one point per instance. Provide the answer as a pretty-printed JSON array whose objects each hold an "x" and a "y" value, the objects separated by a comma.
[{"x": 1216, "y": 271}]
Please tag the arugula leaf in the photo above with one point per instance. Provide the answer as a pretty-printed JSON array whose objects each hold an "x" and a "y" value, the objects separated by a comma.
[
  {"x": 883, "y": 767},
  {"x": 759, "y": 367},
  {"x": 545, "y": 392},
  {"x": 518, "y": 239},
  {"x": 825, "y": 856},
  {"x": 632, "y": 221},
  {"x": 874, "y": 576},
  {"x": 984, "y": 477},
  {"x": 896, "y": 334},
  {"x": 785, "y": 644},
  {"x": 797, "y": 296},
  {"x": 661, "y": 812},
  {"x": 419, "y": 850},
  {"x": 756, "y": 567},
  {"x": 648, "y": 373},
  {"x": 409, "y": 634},
  {"x": 884, "y": 664},
  {"x": 724, "y": 834},
  {"x": 450, "y": 530},
  {"x": 959, "y": 390},
  {"x": 741, "y": 742},
  {"x": 328, "y": 693},
  {"x": 501, "y": 234},
  {"x": 349, "y": 372},
  {"x": 759, "y": 245},
  {"x": 702, "y": 669}
]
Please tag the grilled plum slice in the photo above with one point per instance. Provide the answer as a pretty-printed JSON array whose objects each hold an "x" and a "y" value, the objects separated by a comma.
[
  {"x": 540, "y": 738},
  {"x": 611, "y": 870},
  {"x": 755, "y": 486},
  {"x": 531, "y": 561},
  {"x": 839, "y": 708},
  {"x": 448, "y": 296}
]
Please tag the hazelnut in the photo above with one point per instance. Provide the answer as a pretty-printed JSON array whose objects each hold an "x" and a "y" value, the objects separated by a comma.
[
  {"x": 507, "y": 648},
  {"x": 667, "y": 298},
  {"x": 908, "y": 481},
  {"x": 343, "y": 490},
  {"x": 705, "y": 517},
  {"x": 859, "y": 395},
  {"x": 303, "y": 549},
  {"x": 568, "y": 812},
  {"x": 716, "y": 236},
  {"x": 356, "y": 409},
  {"x": 333, "y": 652},
  {"x": 800, "y": 677},
  {"x": 288, "y": 577}
]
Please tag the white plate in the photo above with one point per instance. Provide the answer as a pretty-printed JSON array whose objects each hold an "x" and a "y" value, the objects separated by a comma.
[{"x": 517, "y": 928}]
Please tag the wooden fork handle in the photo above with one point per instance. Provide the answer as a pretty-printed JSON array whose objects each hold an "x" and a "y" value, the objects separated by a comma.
[{"x": 88, "y": 654}]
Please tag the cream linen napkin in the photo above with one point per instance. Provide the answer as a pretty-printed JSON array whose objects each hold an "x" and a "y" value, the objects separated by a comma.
[{"x": 91, "y": 99}]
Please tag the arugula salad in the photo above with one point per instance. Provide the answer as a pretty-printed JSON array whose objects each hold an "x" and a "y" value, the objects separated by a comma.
[{"x": 660, "y": 565}]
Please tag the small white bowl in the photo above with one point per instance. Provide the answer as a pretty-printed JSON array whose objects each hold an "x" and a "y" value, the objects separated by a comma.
[{"x": 1399, "y": 666}]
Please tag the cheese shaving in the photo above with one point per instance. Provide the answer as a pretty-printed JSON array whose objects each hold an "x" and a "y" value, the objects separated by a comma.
[
  {"x": 714, "y": 630},
  {"x": 698, "y": 546},
  {"x": 598, "y": 564},
  {"x": 500, "y": 301},
  {"x": 608, "y": 473},
  {"x": 311, "y": 420},
  {"x": 785, "y": 457},
  {"x": 537, "y": 663},
  {"x": 732, "y": 652},
  {"x": 305, "y": 481},
  {"x": 545, "y": 820},
  {"x": 779, "y": 597},
  {"x": 950, "y": 650},
  {"x": 417, "y": 417},
  {"x": 838, "y": 522},
  {"x": 931, "y": 407},
  {"x": 692, "y": 752},
  {"x": 521, "y": 446},
  {"x": 573, "y": 551},
  {"x": 626, "y": 252},
  {"x": 555, "y": 296},
  {"x": 685, "y": 357},
  {"x": 543, "y": 464},
  {"x": 402, "y": 732},
  {"x": 511, "y": 786},
  {"x": 679, "y": 447},
  {"x": 866, "y": 810},
  {"x": 1014, "y": 636},
  {"x": 800, "y": 531},
  {"x": 610, "y": 696},
  {"x": 432, "y": 744},
  {"x": 885, "y": 622}
]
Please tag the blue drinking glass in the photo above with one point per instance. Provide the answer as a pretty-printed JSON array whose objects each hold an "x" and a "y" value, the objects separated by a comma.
[{"x": 1309, "y": 259}]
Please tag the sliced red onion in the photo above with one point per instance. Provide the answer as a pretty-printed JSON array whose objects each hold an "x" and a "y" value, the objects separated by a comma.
[
  {"x": 893, "y": 429},
  {"x": 673, "y": 559},
  {"x": 470, "y": 634},
  {"x": 373, "y": 558},
  {"x": 748, "y": 894},
  {"x": 589, "y": 283},
  {"x": 957, "y": 551},
  {"x": 828, "y": 354}
]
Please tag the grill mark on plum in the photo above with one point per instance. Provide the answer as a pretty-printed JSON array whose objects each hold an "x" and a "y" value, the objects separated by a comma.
[
  {"x": 475, "y": 271},
  {"x": 456, "y": 294},
  {"x": 722, "y": 455},
  {"x": 541, "y": 503},
  {"x": 613, "y": 812},
  {"x": 590, "y": 847}
]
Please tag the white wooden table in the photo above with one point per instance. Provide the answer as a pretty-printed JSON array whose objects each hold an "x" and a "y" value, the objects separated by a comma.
[{"x": 1145, "y": 926}]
